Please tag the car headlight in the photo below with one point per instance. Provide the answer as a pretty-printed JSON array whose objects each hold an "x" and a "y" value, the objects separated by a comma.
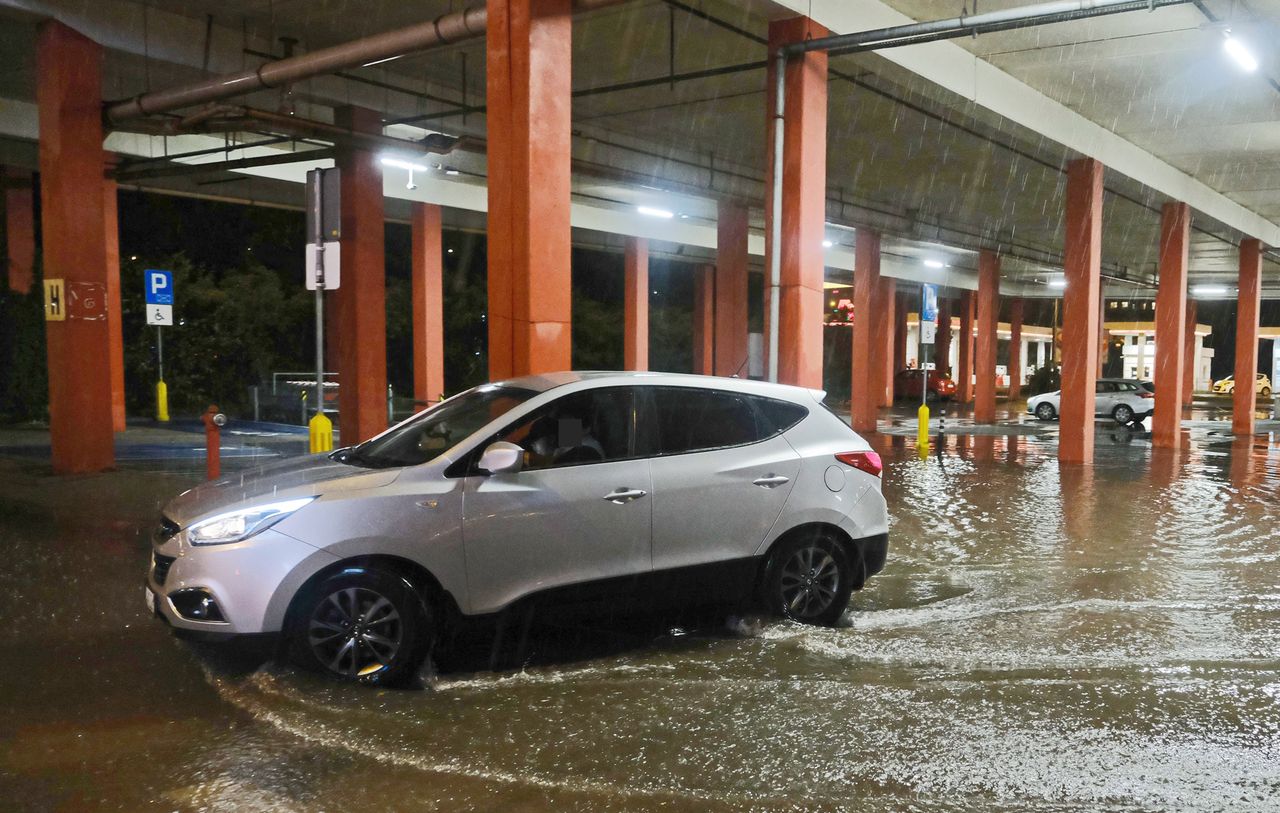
[{"x": 235, "y": 526}]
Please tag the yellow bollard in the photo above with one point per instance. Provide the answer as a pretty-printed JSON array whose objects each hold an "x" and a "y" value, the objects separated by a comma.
[
  {"x": 922, "y": 428},
  {"x": 321, "y": 430},
  {"x": 162, "y": 402}
]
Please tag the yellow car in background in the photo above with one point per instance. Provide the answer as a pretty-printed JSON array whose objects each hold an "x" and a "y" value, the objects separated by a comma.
[{"x": 1227, "y": 385}]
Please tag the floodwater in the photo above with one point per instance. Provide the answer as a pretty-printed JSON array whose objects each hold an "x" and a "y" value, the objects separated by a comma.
[{"x": 1101, "y": 638}]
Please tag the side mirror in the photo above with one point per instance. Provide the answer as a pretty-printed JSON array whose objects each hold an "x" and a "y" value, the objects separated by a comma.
[{"x": 501, "y": 457}]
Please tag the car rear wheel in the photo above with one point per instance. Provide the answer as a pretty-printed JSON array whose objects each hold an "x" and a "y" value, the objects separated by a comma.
[
  {"x": 370, "y": 626},
  {"x": 809, "y": 579},
  {"x": 1123, "y": 414},
  {"x": 1045, "y": 411}
]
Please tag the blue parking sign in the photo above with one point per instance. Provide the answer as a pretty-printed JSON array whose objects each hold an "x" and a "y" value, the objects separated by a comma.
[{"x": 159, "y": 285}]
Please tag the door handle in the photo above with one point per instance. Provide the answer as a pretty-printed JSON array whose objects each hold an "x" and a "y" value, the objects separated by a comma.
[
  {"x": 623, "y": 495},
  {"x": 770, "y": 481}
]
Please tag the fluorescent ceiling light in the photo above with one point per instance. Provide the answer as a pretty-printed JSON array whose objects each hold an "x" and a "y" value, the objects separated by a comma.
[
  {"x": 1057, "y": 283},
  {"x": 827, "y": 244},
  {"x": 1210, "y": 290},
  {"x": 409, "y": 165},
  {"x": 652, "y": 212},
  {"x": 934, "y": 264},
  {"x": 1240, "y": 53}
]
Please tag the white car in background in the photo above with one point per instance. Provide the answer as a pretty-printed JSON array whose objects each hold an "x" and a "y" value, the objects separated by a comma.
[{"x": 1125, "y": 400}]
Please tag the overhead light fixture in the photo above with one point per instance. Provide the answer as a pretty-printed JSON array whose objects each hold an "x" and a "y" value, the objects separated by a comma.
[
  {"x": 827, "y": 244},
  {"x": 1238, "y": 51},
  {"x": 399, "y": 164},
  {"x": 1210, "y": 290},
  {"x": 405, "y": 165},
  {"x": 1057, "y": 283},
  {"x": 934, "y": 264},
  {"x": 652, "y": 212}
]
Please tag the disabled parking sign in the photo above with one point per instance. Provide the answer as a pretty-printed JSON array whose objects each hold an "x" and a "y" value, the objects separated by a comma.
[{"x": 159, "y": 289}]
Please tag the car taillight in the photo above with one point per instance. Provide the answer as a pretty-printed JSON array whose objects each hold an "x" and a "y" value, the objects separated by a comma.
[
  {"x": 1145, "y": 394},
  {"x": 862, "y": 461}
]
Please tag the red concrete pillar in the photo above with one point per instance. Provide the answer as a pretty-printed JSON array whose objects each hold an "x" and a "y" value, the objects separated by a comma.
[
  {"x": 428, "y": 304},
  {"x": 115, "y": 327},
  {"x": 1171, "y": 325},
  {"x": 866, "y": 286},
  {"x": 731, "y": 290},
  {"x": 704, "y": 298},
  {"x": 1082, "y": 262},
  {"x": 361, "y": 301},
  {"x": 942, "y": 345},
  {"x": 882, "y": 352},
  {"x": 635, "y": 295},
  {"x": 1250, "y": 300},
  {"x": 1016, "y": 308},
  {"x": 19, "y": 228},
  {"x": 984, "y": 404},
  {"x": 69, "y": 98},
  {"x": 964, "y": 387},
  {"x": 804, "y": 203},
  {"x": 1189, "y": 355},
  {"x": 530, "y": 285},
  {"x": 900, "y": 308}
]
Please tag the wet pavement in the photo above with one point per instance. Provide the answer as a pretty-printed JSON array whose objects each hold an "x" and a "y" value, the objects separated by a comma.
[{"x": 1044, "y": 638}]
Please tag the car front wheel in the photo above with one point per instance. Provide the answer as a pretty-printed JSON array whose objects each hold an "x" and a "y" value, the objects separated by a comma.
[
  {"x": 1045, "y": 411},
  {"x": 1122, "y": 414},
  {"x": 370, "y": 626},
  {"x": 809, "y": 579}
]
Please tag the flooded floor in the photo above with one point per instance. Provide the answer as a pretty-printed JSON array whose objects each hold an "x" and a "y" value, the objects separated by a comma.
[{"x": 1101, "y": 638}]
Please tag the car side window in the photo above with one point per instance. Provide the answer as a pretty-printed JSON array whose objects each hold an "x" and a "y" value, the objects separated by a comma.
[
  {"x": 1105, "y": 387},
  {"x": 693, "y": 420},
  {"x": 591, "y": 426}
]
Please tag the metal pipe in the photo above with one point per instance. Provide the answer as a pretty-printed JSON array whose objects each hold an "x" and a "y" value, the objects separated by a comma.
[
  {"x": 1003, "y": 20},
  {"x": 775, "y": 224},
  {"x": 443, "y": 30},
  {"x": 895, "y": 36},
  {"x": 446, "y": 29}
]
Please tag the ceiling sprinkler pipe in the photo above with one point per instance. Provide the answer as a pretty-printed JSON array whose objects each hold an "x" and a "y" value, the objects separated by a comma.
[
  {"x": 444, "y": 30},
  {"x": 1000, "y": 20}
]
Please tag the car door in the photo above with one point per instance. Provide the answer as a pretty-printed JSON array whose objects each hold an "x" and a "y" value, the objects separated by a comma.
[
  {"x": 1104, "y": 398},
  {"x": 721, "y": 474},
  {"x": 578, "y": 512}
]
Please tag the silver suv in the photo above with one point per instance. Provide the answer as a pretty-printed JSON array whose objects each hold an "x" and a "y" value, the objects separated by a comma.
[{"x": 554, "y": 488}]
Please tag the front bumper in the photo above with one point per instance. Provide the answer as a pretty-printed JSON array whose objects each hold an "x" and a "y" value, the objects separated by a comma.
[{"x": 242, "y": 578}]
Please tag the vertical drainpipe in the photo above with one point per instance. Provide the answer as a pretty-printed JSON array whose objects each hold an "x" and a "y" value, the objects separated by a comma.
[{"x": 775, "y": 227}]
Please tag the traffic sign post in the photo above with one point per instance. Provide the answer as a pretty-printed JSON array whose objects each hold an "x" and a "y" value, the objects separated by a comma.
[
  {"x": 324, "y": 228},
  {"x": 158, "y": 285}
]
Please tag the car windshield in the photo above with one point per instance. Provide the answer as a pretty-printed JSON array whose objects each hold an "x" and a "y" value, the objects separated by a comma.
[{"x": 432, "y": 433}]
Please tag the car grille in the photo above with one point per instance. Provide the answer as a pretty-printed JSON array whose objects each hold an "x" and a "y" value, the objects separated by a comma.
[{"x": 160, "y": 565}]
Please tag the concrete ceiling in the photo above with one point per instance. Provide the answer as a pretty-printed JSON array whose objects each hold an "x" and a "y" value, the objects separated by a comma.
[{"x": 940, "y": 173}]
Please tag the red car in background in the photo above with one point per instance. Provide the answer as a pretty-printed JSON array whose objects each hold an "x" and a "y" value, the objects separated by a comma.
[{"x": 906, "y": 385}]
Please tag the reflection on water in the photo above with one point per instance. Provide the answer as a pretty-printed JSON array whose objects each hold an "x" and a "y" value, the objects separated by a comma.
[{"x": 1044, "y": 638}]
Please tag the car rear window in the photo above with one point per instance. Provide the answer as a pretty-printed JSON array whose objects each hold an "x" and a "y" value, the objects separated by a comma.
[{"x": 693, "y": 420}]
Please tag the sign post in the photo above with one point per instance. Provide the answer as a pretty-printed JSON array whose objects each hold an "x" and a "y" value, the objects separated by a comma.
[
  {"x": 159, "y": 291},
  {"x": 323, "y": 273},
  {"x": 928, "y": 332}
]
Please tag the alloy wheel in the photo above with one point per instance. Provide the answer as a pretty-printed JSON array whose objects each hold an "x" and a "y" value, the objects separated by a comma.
[
  {"x": 355, "y": 632},
  {"x": 810, "y": 581}
]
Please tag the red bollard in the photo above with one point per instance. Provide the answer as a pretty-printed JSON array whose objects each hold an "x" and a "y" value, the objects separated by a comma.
[{"x": 213, "y": 423}]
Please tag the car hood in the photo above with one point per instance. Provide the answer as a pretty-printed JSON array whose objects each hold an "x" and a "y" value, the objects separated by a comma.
[{"x": 299, "y": 477}]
